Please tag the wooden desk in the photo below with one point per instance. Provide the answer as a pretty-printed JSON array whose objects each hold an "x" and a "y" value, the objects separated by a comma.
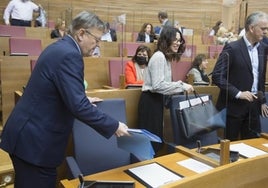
[{"x": 242, "y": 173}]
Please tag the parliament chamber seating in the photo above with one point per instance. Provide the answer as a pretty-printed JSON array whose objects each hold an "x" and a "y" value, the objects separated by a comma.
[
  {"x": 25, "y": 46},
  {"x": 116, "y": 68},
  {"x": 180, "y": 69},
  {"x": 12, "y": 31}
]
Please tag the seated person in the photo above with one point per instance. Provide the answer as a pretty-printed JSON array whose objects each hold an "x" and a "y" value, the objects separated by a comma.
[
  {"x": 225, "y": 36},
  {"x": 109, "y": 34},
  {"x": 215, "y": 28},
  {"x": 146, "y": 33},
  {"x": 134, "y": 69},
  {"x": 198, "y": 70},
  {"x": 60, "y": 30}
]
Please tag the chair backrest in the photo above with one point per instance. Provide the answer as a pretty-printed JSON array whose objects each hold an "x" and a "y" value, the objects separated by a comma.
[
  {"x": 264, "y": 120},
  {"x": 131, "y": 48},
  {"x": 20, "y": 46},
  {"x": 12, "y": 31},
  {"x": 93, "y": 152},
  {"x": 214, "y": 51},
  {"x": 190, "y": 51},
  {"x": 116, "y": 68},
  {"x": 179, "y": 139},
  {"x": 180, "y": 70}
]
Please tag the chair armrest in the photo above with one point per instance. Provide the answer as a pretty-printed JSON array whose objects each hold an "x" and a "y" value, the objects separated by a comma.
[{"x": 73, "y": 167}]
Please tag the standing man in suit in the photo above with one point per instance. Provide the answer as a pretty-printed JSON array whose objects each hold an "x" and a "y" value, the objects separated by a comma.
[
  {"x": 240, "y": 74},
  {"x": 37, "y": 131},
  {"x": 164, "y": 21}
]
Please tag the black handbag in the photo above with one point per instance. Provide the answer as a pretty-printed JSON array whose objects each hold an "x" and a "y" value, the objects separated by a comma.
[{"x": 199, "y": 116}]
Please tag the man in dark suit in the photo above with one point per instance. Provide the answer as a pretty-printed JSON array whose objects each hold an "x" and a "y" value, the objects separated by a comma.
[
  {"x": 240, "y": 74},
  {"x": 37, "y": 131},
  {"x": 164, "y": 21}
]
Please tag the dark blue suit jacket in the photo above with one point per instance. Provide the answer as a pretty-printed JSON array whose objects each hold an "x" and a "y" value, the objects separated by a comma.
[
  {"x": 39, "y": 126},
  {"x": 235, "y": 55}
]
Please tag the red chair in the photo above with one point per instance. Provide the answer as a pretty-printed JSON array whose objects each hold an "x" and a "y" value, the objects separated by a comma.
[
  {"x": 180, "y": 70},
  {"x": 12, "y": 31},
  {"x": 25, "y": 46},
  {"x": 130, "y": 47},
  {"x": 214, "y": 51},
  {"x": 190, "y": 51},
  {"x": 116, "y": 68},
  {"x": 51, "y": 24}
]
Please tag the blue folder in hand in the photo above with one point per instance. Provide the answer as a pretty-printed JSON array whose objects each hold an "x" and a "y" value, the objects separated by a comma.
[
  {"x": 152, "y": 137},
  {"x": 139, "y": 143}
]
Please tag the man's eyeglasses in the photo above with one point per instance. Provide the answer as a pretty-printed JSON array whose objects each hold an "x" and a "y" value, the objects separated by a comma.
[{"x": 96, "y": 38}]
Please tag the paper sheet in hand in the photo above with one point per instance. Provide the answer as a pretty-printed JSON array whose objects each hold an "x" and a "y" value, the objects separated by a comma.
[{"x": 153, "y": 175}]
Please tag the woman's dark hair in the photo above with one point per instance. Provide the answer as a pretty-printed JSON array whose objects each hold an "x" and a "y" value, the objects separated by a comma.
[
  {"x": 216, "y": 27},
  {"x": 166, "y": 39},
  {"x": 198, "y": 60},
  {"x": 144, "y": 27},
  {"x": 142, "y": 48}
]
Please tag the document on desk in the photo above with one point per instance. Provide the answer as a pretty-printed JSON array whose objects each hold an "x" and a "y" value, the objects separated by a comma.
[
  {"x": 153, "y": 175},
  {"x": 195, "y": 165},
  {"x": 247, "y": 150}
]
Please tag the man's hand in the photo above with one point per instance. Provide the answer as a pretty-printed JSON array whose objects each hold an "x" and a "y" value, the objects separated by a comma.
[
  {"x": 264, "y": 110},
  {"x": 246, "y": 95},
  {"x": 122, "y": 130}
]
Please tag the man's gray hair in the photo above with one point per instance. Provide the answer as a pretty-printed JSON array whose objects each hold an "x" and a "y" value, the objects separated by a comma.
[
  {"x": 86, "y": 20},
  {"x": 254, "y": 18}
]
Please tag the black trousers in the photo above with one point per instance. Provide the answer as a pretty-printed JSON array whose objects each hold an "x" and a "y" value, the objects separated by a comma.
[
  {"x": 24, "y": 23},
  {"x": 245, "y": 122},
  {"x": 150, "y": 115},
  {"x": 28, "y": 175}
]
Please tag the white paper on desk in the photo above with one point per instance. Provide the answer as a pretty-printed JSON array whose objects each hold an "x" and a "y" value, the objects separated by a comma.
[
  {"x": 195, "y": 165},
  {"x": 266, "y": 145},
  {"x": 246, "y": 150},
  {"x": 154, "y": 174}
]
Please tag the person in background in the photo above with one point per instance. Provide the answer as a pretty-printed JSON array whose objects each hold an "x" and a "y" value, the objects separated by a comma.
[
  {"x": 20, "y": 12},
  {"x": 198, "y": 69},
  {"x": 109, "y": 34},
  {"x": 164, "y": 21},
  {"x": 158, "y": 82},
  {"x": 60, "y": 29},
  {"x": 37, "y": 131},
  {"x": 240, "y": 74},
  {"x": 134, "y": 69},
  {"x": 146, "y": 33},
  {"x": 215, "y": 28},
  {"x": 178, "y": 26}
]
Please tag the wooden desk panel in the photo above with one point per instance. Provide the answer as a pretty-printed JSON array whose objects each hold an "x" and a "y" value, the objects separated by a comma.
[{"x": 245, "y": 173}]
